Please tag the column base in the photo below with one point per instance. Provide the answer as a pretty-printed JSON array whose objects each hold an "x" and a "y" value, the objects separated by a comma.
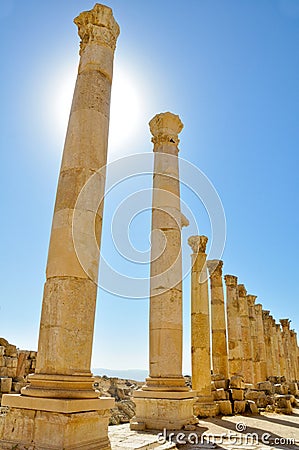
[
  {"x": 165, "y": 384},
  {"x": 54, "y": 424},
  {"x": 156, "y": 410},
  {"x": 60, "y": 386}
]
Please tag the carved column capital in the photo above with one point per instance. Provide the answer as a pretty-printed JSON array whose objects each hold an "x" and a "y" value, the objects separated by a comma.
[
  {"x": 165, "y": 128},
  {"x": 251, "y": 299},
  {"x": 266, "y": 314},
  {"x": 285, "y": 323},
  {"x": 231, "y": 280},
  {"x": 258, "y": 308},
  {"x": 198, "y": 243},
  {"x": 215, "y": 268},
  {"x": 242, "y": 290},
  {"x": 97, "y": 26}
]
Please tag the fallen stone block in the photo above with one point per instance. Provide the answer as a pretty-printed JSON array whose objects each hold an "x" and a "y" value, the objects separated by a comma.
[
  {"x": 221, "y": 384},
  {"x": 237, "y": 394},
  {"x": 252, "y": 407},
  {"x": 11, "y": 350},
  {"x": 283, "y": 405},
  {"x": 3, "y": 371},
  {"x": 225, "y": 407},
  {"x": 265, "y": 386},
  {"x": 5, "y": 385},
  {"x": 239, "y": 406},
  {"x": 219, "y": 394},
  {"x": 237, "y": 382},
  {"x": 293, "y": 389}
]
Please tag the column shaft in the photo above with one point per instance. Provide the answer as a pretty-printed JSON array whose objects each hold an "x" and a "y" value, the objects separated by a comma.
[
  {"x": 262, "y": 359},
  {"x": 233, "y": 326},
  {"x": 68, "y": 309},
  {"x": 219, "y": 342},
  {"x": 200, "y": 319},
  {"x": 254, "y": 337},
  {"x": 246, "y": 335}
]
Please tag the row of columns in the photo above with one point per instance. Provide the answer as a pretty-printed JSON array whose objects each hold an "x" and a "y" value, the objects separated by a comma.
[{"x": 244, "y": 339}]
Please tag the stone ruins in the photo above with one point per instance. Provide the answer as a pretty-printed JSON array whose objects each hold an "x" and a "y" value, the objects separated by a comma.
[{"x": 242, "y": 360}]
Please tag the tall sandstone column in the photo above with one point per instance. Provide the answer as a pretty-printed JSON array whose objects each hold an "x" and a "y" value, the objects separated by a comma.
[
  {"x": 62, "y": 410},
  {"x": 200, "y": 329},
  {"x": 275, "y": 348},
  {"x": 268, "y": 342},
  {"x": 253, "y": 336},
  {"x": 246, "y": 335},
  {"x": 285, "y": 323},
  {"x": 219, "y": 342},
  {"x": 262, "y": 359},
  {"x": 165, "y": 401},
  {"x": 234, "y": 333},
  {"x": 281, "y": 355},
  {"x": 294, "y": 344}
]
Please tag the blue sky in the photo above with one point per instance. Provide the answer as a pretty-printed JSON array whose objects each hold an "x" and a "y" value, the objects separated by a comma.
[{"x": 230, "y": 69}]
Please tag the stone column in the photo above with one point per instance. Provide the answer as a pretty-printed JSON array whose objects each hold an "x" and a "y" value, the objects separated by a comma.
[
  {"x": 281, "y": 354},
  {"x": 165, "y": 401},
  {"x": 285, "y": 323},
  {"x": 200, "y": 329},
  {"x": 253, "y": 336},
  {"x": 268, "y": 342},
  {"x": 233, "y": 326},
  {"x": 275, "y": 349},
  {"x": 63, "y": 383},
  {"x": 246, "y": 335},
  {"x": 293, "y": 338},
  {"x": 262, "y": 360},
  {"x": 219, "y": 342}
]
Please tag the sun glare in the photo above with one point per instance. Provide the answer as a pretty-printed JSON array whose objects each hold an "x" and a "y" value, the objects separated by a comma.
[{"x": 125, "y": 111}]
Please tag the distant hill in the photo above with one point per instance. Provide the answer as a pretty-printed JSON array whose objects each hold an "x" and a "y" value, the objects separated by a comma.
[{"x": 130, "y": 374}]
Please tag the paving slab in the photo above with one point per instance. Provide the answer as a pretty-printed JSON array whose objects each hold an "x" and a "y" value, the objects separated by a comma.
[{"x": 264, "y": 432}]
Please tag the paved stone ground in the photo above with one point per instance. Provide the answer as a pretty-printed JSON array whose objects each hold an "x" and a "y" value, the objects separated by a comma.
[{"x": 264, "y": 432}]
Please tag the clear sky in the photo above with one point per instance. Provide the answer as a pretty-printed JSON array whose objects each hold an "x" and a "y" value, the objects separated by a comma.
[{"x": 230, "y": 69}]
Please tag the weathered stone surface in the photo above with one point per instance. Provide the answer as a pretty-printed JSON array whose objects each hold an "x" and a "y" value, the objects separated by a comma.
[
  {"x": 219, "y": 394},
  {"x": 283, "y": 404},
  {"x": 221, "y": 384},
  {"x": 266, "y": 386},
  {"x": 252, "y": 407},
  {"x": 239, "y": 406},
  {"x": 219, "y": 342},
  {"x": 6, "y": 385},
  {"x": 237, "y": 394},
  {"x": 225, "y": 407},
  {"x": 237, "y": 382}
]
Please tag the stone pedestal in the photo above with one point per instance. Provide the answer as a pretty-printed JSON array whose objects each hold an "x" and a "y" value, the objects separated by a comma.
[
  {"x": 56, "y": 424},
  {"x": 246, "y": 334},
  {"x": 219, "y": 342},
  {"x": 234, "y": 334},
  {"x": 165, "y": 395},
  {"x": 67, "y": 320},
  {"x": 200, "y": 329}
]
